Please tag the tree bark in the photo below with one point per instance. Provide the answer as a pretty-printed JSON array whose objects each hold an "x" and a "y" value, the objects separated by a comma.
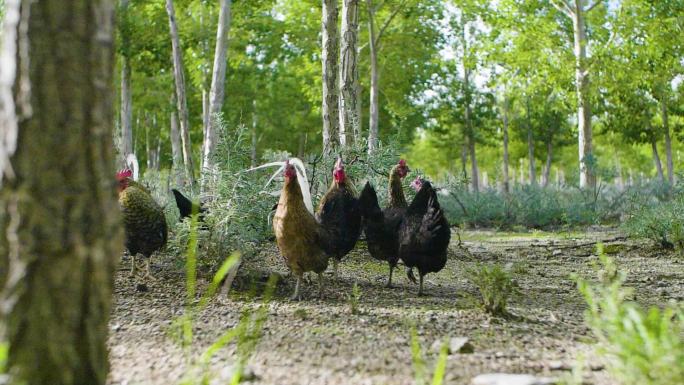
[
  {"x": 349, "y": 72},
  {"x": 654, "y": 149},
  {"x": 330, "y": 107},
  {"x": 668, "y": 142},
  {"x": 546, "y": 174},
  {"x": 218, "y": 80},
  {"x": 176, "y": 150},
  {"x": 61, "y": 235},
  {"x": 474, "y": 170},
  {"x": 181, "y": 101},
  {"x": 530, "y": 147},
  {"x": 375, "y": 81},
  {"x": 253, "y": 149},
  {"x": 587, "y": 177},
  {"x": 506, "y": 183},
  {"x": 464, "y": 160},
  {"x": 126, "y": 99}
]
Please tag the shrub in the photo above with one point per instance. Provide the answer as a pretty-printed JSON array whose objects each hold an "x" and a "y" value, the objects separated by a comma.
[
  {"x": 495, "y": 285},
  {"x": 645, "y": 347},
  {"x": 658, "y": 216}
]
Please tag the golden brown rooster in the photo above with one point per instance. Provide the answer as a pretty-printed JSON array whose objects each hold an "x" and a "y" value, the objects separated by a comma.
[
  {"x": 301, "y": 239},
  {"x": 144, "y": 220}
]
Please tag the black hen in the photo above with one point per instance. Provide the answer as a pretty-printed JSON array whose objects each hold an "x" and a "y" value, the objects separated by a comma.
[
  {"x": 185, "y": 205},
  {"x": 381, "y": 228},
  {"x": 424, "y": 234}
]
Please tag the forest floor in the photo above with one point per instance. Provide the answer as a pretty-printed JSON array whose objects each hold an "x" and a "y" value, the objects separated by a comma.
[{"x": 318, "y": 341}]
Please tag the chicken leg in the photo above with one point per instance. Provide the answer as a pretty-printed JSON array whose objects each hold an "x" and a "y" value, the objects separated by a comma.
[
  {"x": 295, "y": 296},
  {"x": 148, "y": 275},
  {"x": 409, "y": 274},
  {"x": 420, "y": 290},
  {"x": 132, "y": 266},
  {"x": 335, "y": 264},
  {"x": 389, "y": 281}
]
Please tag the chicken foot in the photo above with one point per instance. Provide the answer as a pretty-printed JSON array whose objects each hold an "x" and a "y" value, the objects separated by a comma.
[
  {"x": 420, "y": 290},
  {"x": 148, "y": 274},
  {"x": 389, "y": 281},
  {"x": 132, "y": 274},
  {"x": 409, "y": 274},
  {"x": 296, "y": 296}
]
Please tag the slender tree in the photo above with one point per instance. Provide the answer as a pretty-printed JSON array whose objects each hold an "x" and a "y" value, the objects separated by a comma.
[
  {"x": 61, "y": 235},
  {"x": 329, "y": 57},
  {"x": 506, "y": 181},
  {"x": 218, "y": 80},
  {"x": 577, "y": 11},
  {"x": 181, "y": 100},
  {"x": 374, "y": 43},
  {"x": 126, "y": 98},
  {"x": 350, "y": 101}
]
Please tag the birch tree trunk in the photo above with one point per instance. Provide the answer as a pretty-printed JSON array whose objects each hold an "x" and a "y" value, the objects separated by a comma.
[
  {"x": 181, "y": 101},
  {"x": 546, "y": 174},
  {"x": 126, "y": 100},
  {"x": 468, "y": 112},
  {"x": 654, "y": 149},
  {"x": 253, "y": 149},
  {"x": 374, "y": 84},
  {"x": 474, "y": 170},
  {"x": 61, "y": 236},
  {"x": 506, "y": 184},
  {"x": 464, "y": 160},
  {"x": 530, "y": 147},
  {"x": 668, "y": 141},
  {"x": 330, "y": 107},
  {"x": 176, "y": 150},
  {"x": 218, "y": 80},
  {"x": 349, "y": 72}
]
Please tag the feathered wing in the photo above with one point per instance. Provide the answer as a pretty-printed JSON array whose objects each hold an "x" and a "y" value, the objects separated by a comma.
[{"x": 183, "y": 203}]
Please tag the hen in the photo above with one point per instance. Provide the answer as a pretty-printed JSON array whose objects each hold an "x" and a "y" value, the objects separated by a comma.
[
  {"x": 301, "y": 239},
  {"x": 338, "y": 212},
  {"x": 144, "y": 220},
  {"x": 185, "y": 205},
  {"x": 381, "y": 226},
  {"x": 424, "y": 233}
]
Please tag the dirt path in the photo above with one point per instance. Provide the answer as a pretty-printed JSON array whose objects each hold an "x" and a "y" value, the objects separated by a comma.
[{"x": 321, "y": 342}]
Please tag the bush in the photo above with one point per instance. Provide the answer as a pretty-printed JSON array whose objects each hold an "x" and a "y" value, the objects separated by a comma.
[
  {"x": 645, "y": 347},
  {"x": 657, "y": 215},
  {"x": 495, "y": 285}
]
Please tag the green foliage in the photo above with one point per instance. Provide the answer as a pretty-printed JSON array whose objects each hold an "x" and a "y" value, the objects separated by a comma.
[
  {"x": 658, "y": 216},
  {"x": 354, "y": 299},
  {"x": 495, "y": 285},
  {"x": 645, "y": 346},
  {"x": 419, "y": 369},
  {"x": 246, "y": 333}
]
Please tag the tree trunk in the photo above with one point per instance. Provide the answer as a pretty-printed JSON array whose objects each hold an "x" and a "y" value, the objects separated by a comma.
[
  {"x": 181, "y": 101},
  {"x": 546, "y": 174},
  {"x": 506, "y": 185},
  {"x": 668, "y": 142},
  {"x": 61, "y": 236},
  {"x": 464, "y": 161},
  {"x": 349, "y": 102},
  {"x": 654, "y": 148},
  {"x": 253, "y": 149},
  {"x": 530, "y": 147},
  {"x": 330, "y": 107},
  {"x": 474, "y": 170},
  {"x": 218, "y": 80},
  {"x": 587, "y": 177},
  {"x": 126, "y": 100},
  {"x": 374, "y": 85},
  {"x": 176, "y": 150}
]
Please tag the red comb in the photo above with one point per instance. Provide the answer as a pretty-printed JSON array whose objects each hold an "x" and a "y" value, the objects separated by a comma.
[
  {"x": 402, "y": 162},
  {"x": 124, "y": 173}
]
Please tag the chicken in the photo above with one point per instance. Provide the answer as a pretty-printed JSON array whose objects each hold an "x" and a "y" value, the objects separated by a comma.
[
  {"x": 424, "y": 233},
  {"x": 338, "y": 212},
  {"x": 381, "y": 226},
  {"x": 185, "y": 206},
  {"x": 144, "y": 220},
  {"x": 301, "y": 239}
]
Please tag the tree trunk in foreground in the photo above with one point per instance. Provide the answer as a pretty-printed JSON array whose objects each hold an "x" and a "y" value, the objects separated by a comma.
[
  {"x": 374, "y": 84},
  {"x": 181, "y": 101},
  {"x": 349, "y": 72},
  {"x": 218, "y": 81},
  {"x": 61, "y": 236},
  {"x": 329, "y": 57},
  {"x": 176, "y": 151}
]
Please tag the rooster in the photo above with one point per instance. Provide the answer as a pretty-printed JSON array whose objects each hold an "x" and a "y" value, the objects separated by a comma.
[
  {"x": 423, "y": 233},
  {"x": 338, "y": 212},
  {"x": 381, "y": 226},
  {"x": 144, "y": 220},
  {"x": 301, "y": 239}
]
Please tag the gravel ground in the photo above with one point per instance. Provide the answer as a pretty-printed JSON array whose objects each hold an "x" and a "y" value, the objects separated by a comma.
[{"x": 320, "y": 341}]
